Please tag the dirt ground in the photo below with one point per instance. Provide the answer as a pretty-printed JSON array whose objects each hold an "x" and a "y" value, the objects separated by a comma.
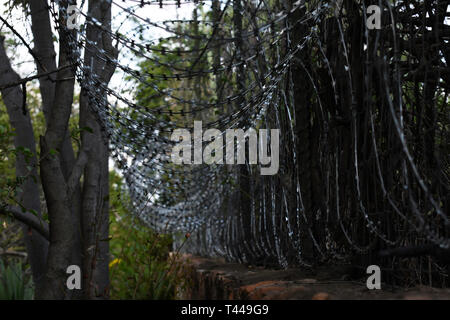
[{"x": 216, "y": 279}]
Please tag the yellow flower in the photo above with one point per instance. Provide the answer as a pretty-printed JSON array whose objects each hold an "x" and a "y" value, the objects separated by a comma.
[{"x": 114, "y": 262}]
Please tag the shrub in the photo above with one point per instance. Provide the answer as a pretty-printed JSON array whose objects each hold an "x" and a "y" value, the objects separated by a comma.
[
  {"x": 13, "y": 282},
  {"x": 141, "y": 265}
]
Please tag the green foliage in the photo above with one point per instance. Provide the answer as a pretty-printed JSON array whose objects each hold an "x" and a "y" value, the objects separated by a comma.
[
  {"x": 10, "y": 184},
  {"x": 141, "y": 266},
  {"x": 14, "y": 285},
  {"x": 7, "y": 156}
]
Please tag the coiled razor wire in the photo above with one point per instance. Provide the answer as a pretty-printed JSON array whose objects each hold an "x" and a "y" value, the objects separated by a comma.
[{"x": 236, "y": 64}]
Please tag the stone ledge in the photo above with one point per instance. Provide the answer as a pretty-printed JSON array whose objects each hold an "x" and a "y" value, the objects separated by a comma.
[{"x": 214, "y": 279}]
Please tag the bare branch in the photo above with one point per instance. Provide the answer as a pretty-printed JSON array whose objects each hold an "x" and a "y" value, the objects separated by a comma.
[
  {"x": 24, "y": 42},
  {"x": 13, "y": 253},
  {"x": 29, "y": 219}
]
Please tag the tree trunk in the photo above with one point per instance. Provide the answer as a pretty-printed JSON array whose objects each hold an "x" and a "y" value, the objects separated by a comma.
[
  {"x": 95, "y": 196},
  {"x": 60, "y": 172}
]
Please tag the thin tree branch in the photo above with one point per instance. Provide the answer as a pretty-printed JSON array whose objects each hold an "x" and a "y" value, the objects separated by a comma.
[
  {"x": 24, "y": 43},
  {"x": 29, "y": 219},
  {"x": 37, "y": 76},
  {"x": 13, "y": 253}
]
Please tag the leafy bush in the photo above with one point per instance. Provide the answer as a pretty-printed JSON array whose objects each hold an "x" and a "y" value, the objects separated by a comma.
[
  {"x": 141, "y": 266},
  {"x": 13, "y": 283}
]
